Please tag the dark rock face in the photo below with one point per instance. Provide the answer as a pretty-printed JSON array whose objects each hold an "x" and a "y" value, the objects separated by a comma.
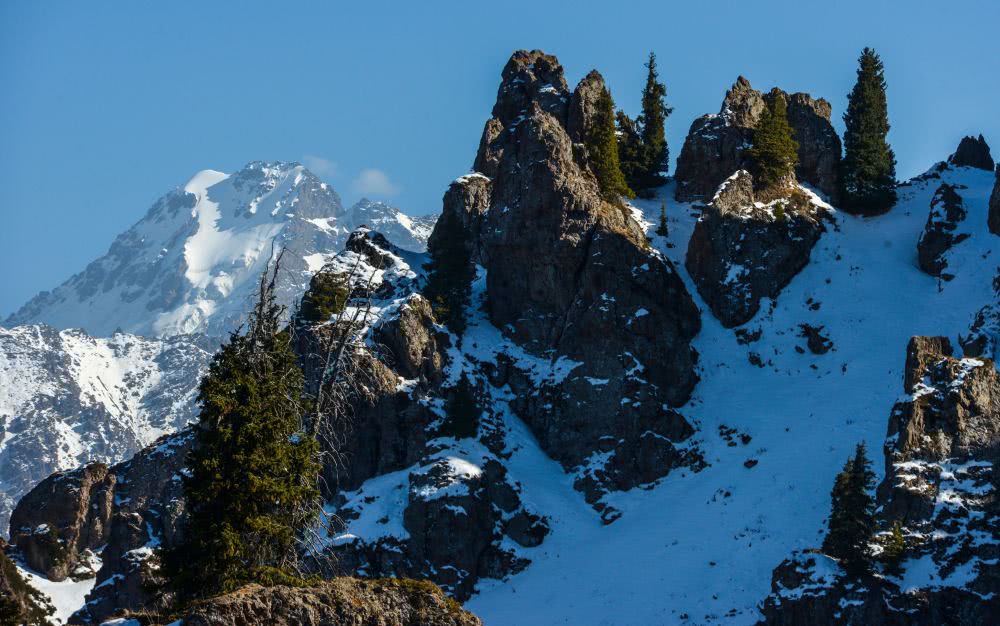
[
  {"x": 570, "y": 275},
  {"x": 740, "y": 252},
  {"x": 942, "y": 446},
  {"x": 972, "y": 152},
  {"x": 62, "y": 516},
  {"x": 716, "y": 145},
  {"x": 993, "y": 221},
  {"x": 19, "y": 602},
  {"x": 946, "y": 216},
  {"x": 339, "y": 602}
]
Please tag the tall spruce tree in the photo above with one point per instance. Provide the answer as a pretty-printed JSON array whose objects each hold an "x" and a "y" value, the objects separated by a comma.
[
  {"x": 602, "y": 150},
  {"x": 775, "y": 153},
  {"x": 450, "y": 274},
  {"x": 868, "y": 171},
  {"x": 631, "y": 155},
  {"x": 852, "y": 517},
  {"x": 656, "y": 153},
  {"x": 253, "y": 471},
  {"x": 662, "y": 230}
]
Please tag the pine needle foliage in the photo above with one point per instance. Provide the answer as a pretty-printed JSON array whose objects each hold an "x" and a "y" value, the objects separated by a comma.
[
  {"x": 662, "y": 229},
  {"x": 868, "y": 171},
  {"x": 327, "y": 296},
  {"x": 775, "y": 153},
  {"x": 631, "y": 154},
  {"x": 893, "y": 549},
  {"x": 656, "y": 157},
  {"x": 251, "y": 485},
  {"x": 602, "y": 150},
  {"x": 450, "y": 274},
  {"x": 852, "y": 518}
]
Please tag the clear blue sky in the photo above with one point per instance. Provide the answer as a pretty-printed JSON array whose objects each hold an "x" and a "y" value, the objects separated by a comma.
[{"x": 106, "y": 105}]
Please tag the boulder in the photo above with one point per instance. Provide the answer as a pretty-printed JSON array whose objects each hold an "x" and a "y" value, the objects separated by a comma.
[
  {"x": 570, "y": 276},
  {"x": 338, "y": 602},
  {"x": 716, "y": 145},
  {"x": 942, "y": 231},
  {"x": 742, "y": 250},
  {"x": 972, "y": 152},
  {"x": 64, "y": 515}
]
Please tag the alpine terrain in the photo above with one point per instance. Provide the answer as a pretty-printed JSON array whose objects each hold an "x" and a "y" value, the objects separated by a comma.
[{"x": 762, "y": 390}]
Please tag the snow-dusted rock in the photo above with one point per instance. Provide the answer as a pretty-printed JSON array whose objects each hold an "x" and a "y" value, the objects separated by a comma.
[{"x": 972, "y": 152}]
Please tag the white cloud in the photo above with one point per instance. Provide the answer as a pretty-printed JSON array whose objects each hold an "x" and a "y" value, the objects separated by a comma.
[
  {"x": 374, "y": 182},
  {"x": 324, "y": 168}
]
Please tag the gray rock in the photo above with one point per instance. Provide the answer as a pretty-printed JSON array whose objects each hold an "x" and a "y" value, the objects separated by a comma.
[
  {"x": 972, "y": 152},
  {"x": 946, "y": 216},
  {"x": 716, "y": 145},
  {"x": 742, "y": 251}
]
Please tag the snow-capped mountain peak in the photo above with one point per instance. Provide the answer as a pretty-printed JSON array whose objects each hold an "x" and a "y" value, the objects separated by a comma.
[{"x": 188, "y": 266}]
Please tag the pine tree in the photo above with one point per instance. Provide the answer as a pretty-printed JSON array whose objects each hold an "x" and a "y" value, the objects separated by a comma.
[
  {"x": 461, "y": 411},
  {"x": 662, "y": 229},
  {"x": 252, "y": 480},
  {"x": 656, "y": 153},
  {"x": 602, "y": 149},
  {"x": 450, "y": 274},
  {"x": 868, "y": 171},
  {"x": 893, "y": 549},
  {"x": 852, "y": 518},
  {"x": 631, "y": 155},
  {"x": 775, "y": 153}
]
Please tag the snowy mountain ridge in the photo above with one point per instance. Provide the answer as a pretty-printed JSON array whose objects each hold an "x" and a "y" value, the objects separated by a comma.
[{"x": 189, "y": 265}]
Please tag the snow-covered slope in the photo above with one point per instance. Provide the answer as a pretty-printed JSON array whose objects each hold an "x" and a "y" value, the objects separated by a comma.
[
  {"x": 409, "y": 233},
  {"x": 190, "y": 265},
  {"x": 67, "y": 398},
  {"x": 699, "y": 548}
]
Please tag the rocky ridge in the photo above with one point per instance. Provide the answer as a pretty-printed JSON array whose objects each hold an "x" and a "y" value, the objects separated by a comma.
[
  {"x": 942, "y": 445},
  {"x": 716, "y": 145}
]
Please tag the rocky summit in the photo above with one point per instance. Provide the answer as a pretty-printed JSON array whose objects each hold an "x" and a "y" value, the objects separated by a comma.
[{"x": 551, "y": 403}]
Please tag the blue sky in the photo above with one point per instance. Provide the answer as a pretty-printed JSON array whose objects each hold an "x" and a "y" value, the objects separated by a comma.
[{"x": 107, "y": 105}]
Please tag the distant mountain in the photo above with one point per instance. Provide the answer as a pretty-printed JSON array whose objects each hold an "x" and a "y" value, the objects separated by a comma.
[
  {"x": 67, "y": 398},
  {"x": 189, "y": 265}
]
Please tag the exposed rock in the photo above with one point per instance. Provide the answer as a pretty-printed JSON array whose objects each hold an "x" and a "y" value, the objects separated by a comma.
[
  {"x": 742, "y": 251},
  {"x": 570, "y": 275},
  {"x": 466, "y": 201},
  {"x": 972, "y": 152},
  {"x": 19, "y": 602},
  {"x": 940, "y": 483},
  {"x": 415, "y": 346},
  {"x": 716, "y": 145},
  {"x": 583, "y": 105},
  {"x": 338, "y": 602},
  {"x": 817, "y": 342},
  {"x": 947, "y": 214},
  {"x": 993, "y": 221},
  {"x": 61, "y": 517}
]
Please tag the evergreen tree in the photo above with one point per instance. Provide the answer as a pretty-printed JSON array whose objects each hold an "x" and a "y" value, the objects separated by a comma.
[
  {"x": 252, "y": 480},
  {"x": 656, "y": 153},
  {"x": 893, "y": 549},
  {"x": 852, "y": 518},
  {"x": 450, "y": 274},
  {"x": 868, "y": 171},
  {"x": 662, "y": 229},
  {"x": 775, "y": 153},
  {"x": 602, "y": 149},
  {"x": 631, "y": 155},
  {"x": 327, "y": 295},
  {"x": 461, "y": 411}
]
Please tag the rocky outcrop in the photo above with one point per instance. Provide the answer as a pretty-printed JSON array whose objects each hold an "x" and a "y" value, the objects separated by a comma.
[
  {"x": 946, "y": 216},
  {"x": 972, "y": 152},
  {"x": 940, "y": 486},
  {"x": 716, "y": 145},
  {"x": 64, "y": 515},
  {"x": 993, "y": 220},
  {"x": 339, "y": 602},
  {"x": 742, "y": 250},
  {"x": 569, "y": 275}
]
